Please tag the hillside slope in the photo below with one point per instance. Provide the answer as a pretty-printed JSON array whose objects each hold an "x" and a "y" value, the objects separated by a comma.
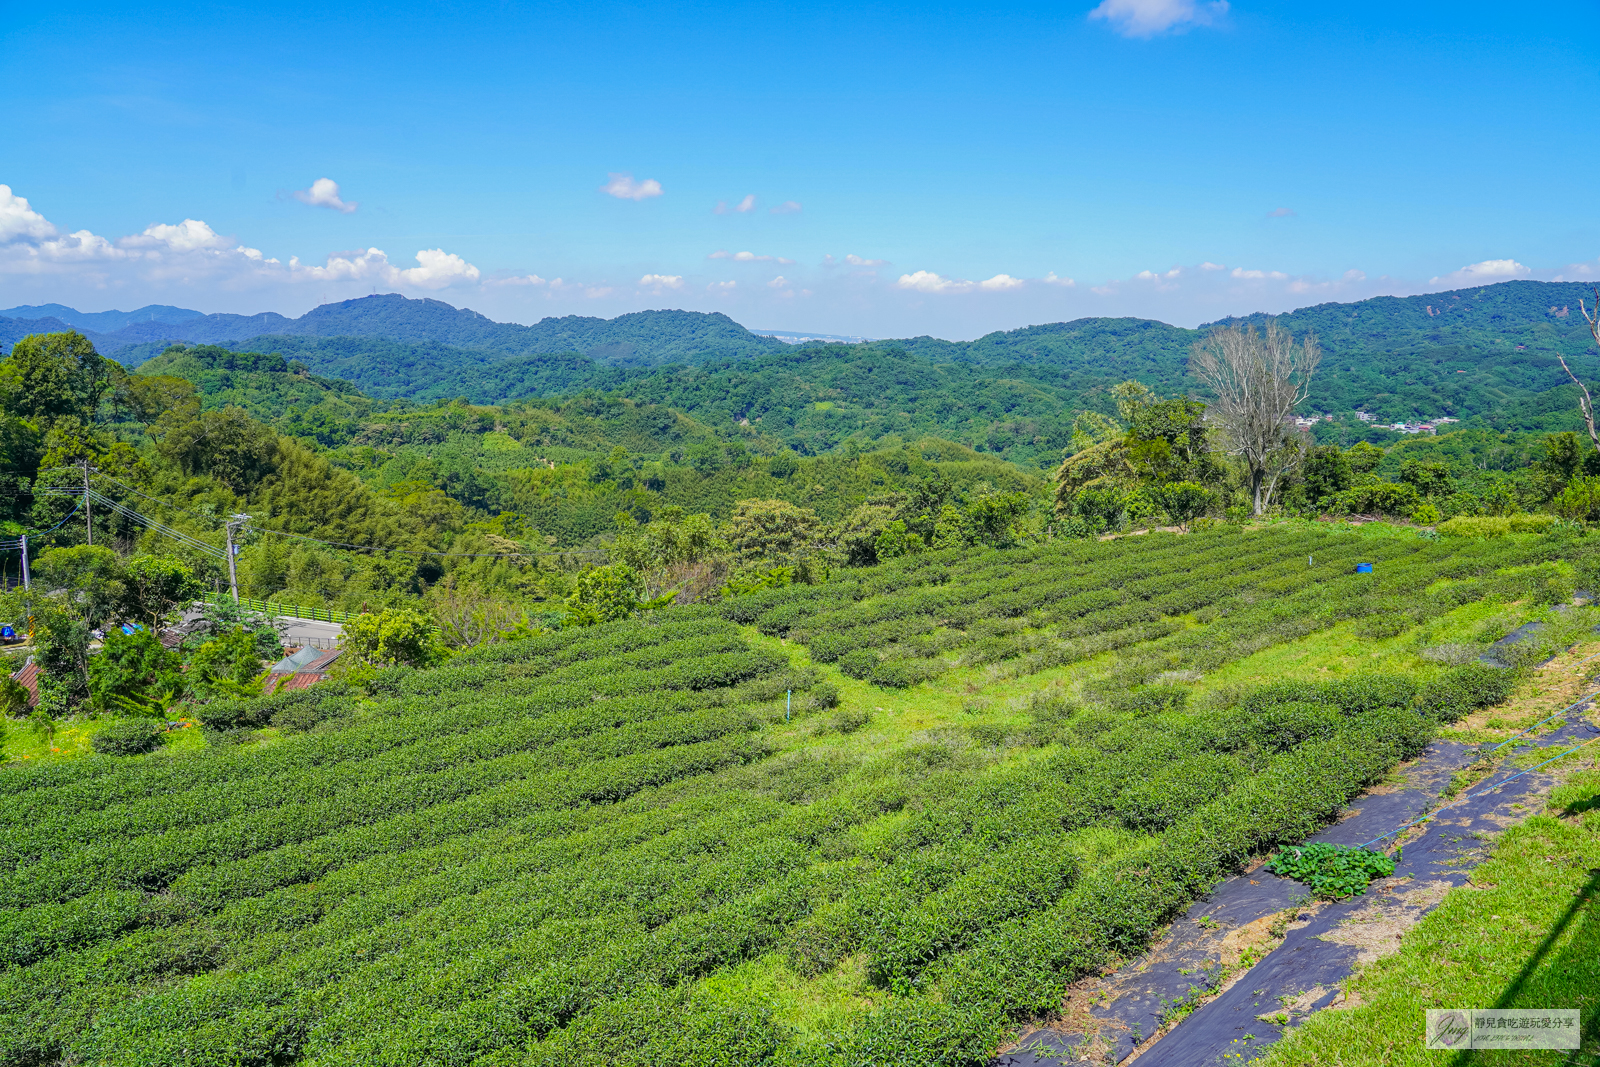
[{"x": 887, "y": 818}]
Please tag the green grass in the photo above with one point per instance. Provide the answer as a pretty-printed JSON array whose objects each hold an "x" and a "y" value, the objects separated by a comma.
[
  {"x": 1340, "y": 649},
  {"x": 73, "y": 738},
  {"x": 951, "y": 706},
  {"x": 1524, "y": 934}
]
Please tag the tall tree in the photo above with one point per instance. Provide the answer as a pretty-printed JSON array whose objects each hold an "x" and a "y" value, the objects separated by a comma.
[
  {"x": 1258, "y": 377},
  {"x": 1585, "y": 401},
  {"x": 52, "y": 375}
]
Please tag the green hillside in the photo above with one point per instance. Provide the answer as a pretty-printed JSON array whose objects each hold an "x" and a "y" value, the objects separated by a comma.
[
  {"x": 1485, "y": 356},
  {"x": 999, "y": 772}
]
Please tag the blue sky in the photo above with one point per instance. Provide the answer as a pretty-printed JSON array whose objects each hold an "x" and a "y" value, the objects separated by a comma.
[{"x": 984, "y": 168}]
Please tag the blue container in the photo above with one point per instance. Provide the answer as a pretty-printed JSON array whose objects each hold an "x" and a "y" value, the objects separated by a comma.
[{"x": 1363, "y": 568}]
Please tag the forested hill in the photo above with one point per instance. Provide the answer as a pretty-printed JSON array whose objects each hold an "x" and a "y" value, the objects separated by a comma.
[
  {"x": 1487, "y": 353},
  {"x": 640, "y": 339},
  {"x": 1495, "y": 326}
]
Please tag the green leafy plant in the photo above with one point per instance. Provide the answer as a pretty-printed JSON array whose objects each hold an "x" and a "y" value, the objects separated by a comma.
[
  {"x": 127, "y": 737},
  {"x": 1332, "y": 872}
]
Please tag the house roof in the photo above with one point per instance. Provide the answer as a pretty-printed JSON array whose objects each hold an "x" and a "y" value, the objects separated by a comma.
[
  {"x": 301, "y": 670},
  {"x": 307, "y": 659},
  {"x": 28, "y": 678},
  {"x": 293, "y": 681}
]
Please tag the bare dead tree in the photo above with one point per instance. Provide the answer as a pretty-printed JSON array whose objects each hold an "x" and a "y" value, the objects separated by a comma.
[
  {"x": 1257, "y": 378},
  {"x": 1586, "y": 402}
]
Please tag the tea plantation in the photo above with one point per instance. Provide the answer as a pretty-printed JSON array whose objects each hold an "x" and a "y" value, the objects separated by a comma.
[{"x": 619, "y": 844}]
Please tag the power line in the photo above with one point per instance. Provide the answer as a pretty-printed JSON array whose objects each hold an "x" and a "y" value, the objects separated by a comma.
[
  {"x": 129, "y": 513},
  {"x": 426, "y": 551},
  {"x": 356, "y": 547},
  {"x": 101, "y": 498}
]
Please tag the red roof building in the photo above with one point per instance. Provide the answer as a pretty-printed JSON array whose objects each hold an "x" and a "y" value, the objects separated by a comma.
[
  {"x": 302, "y": 670},
  {"x": 28, "y": 678}
]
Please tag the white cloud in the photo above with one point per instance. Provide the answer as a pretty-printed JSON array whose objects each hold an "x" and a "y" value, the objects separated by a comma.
[
  {"x": 190, "y": 235},
  {"x": 788, "y": 207},
  {"x": 722, "y": 287},
  {"x": 924, "y": 281},
  {"x": 624, "y": 187},
  {"x": 748, "y": 257},
  {"x": 1257, "y": 275},
  {"x": 1146, "y": 18},
  {"x": 439, "y": 269},
  {"x": 1281, "y": 213},
  {"x": 18, "y": 220},
  {"x": 857, "y": 261},
  {"x": 1490, "y": 270},
  {"x": 1210, "y": 266},
  {"x": 743, "y": 206},
  {"x": 516, "y": 279},
  {"x": 324, "y": 192},
  {"x": 1051, "y": 279},
  {"x": 780, "y": 282},
  {"x": 662, "y": 281},
  {"x": 1574, "y": 272}
]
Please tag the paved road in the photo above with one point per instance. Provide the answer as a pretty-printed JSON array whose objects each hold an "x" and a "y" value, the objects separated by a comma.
[{"x": 296, "y": 631}]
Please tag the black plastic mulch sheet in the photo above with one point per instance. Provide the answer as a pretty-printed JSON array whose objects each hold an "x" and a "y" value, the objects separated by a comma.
[{"x": 1304, "y": 973}]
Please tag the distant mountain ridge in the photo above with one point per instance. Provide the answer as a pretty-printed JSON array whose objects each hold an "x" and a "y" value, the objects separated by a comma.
[
  {"x": 103, "y": 321},
  {"x": 639, "y": 339},
  {"x": 1540, "y": 316},
  {"x": 1460, "y": 353}
]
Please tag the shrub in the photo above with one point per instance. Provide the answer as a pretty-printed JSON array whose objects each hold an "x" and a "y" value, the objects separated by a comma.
[
  {"x": 848, "y": 721},
  {"x": 236, "y": 713},
  {"x": 1050, "y": 712},
  {"x": 131, "y": 666},
  {"x": 1453, "y": 653},
  {"x": 824, "y": 695},
  {"x": 901, "y": 673},
  {"x": 1383, "y": 498},
  {"x": 1278, "y": 727},
  {"x": 127, "y": 737},
  {"x": 1382, "y": 626},
  {"x": 858, "y": 664},
  {"x": 1172, "y": 792},
  {"x": 403, "y": 637},
  {"x": 1465, "y": 689},
  {"x": 1150, "y": 699},
  {"x": 1482, "y": 526},
  {"x": 1579, "y": 500}
]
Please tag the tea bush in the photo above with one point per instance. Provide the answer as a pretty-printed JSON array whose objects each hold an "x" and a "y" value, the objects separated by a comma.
[
  {"x": 127, "y": 737},
  {"x": 555, "y": 850}
]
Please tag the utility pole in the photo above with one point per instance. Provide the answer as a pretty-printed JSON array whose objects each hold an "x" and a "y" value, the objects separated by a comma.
[
  {"x": 233, "y": 555},
  {"x": 88, "y": 516},
  {"x": 27, "y": 581}
]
